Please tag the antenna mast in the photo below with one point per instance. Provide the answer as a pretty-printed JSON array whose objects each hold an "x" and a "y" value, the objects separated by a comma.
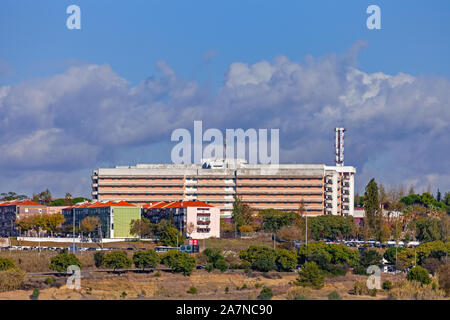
[{"x": 339, "y": 145}]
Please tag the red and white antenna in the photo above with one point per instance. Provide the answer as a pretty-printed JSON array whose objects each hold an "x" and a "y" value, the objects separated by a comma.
[{"x": 339, "y": 144}]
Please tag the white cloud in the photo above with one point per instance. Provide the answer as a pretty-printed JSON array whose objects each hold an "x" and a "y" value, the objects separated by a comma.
[{"x": 398, "y": 125}]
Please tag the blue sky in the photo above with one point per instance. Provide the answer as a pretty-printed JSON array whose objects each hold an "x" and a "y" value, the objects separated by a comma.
[
  {"x": 132, "y": 35},
  {"x": 112, "y": 92}
]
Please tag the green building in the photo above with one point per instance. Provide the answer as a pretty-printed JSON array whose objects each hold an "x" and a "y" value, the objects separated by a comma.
[{"x": 114, "y": 218}]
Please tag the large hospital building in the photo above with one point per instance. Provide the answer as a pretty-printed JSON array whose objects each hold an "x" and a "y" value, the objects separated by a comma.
[{"x": 322, "y": 189}]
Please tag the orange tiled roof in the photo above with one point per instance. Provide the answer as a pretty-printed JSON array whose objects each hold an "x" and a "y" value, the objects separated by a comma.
[
  {"x": 176, "y": 204},
  {"x": 20, "y": 203},
  {"x": 102, "y": 204}
]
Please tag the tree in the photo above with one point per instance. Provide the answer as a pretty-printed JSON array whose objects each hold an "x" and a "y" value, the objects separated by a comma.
[
  {"x": 242, "y": 213},
  {"x": 45, "y": 197},
  {"x": 89, "y": 224},
  {"x": 8, "y": 196},
  {"x": 390, "y": 254},
  {"x": 141, "y": 228},
  {"x": 372, "y": 206},
  {"x": 63, "y": 260},
  {"x": 370, "y": 257},
  {"x": 419, "y": 274},
  {"x": 99, "y": 259},
  {"x": 117, "y": 260},
  {"x": 438, "y": 196},
  {"x": 310, "y": 275},
  {"x": 226, "y": 226},
  {"x": 291, "y": 233},
  {"x": 68, "y": 201},
  {"x": 426, "y": 229},
  {"x": 273, "y": 219},
  {"x": 286, "y": 260},
  {"x": 215, "y": 259},
  {"x": 259, "y": 257},
  {"x": 331, "y": 227},
  {"x": 179, "y": 262},
  {"x": 53, "y": 222},
  {"x": 25, "y": 223},
  {"x": 145, "y": 259},
  {"x": 169, "y": 234}
]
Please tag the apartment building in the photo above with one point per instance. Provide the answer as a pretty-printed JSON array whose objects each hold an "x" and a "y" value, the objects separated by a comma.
[
  {"x": 195, "y": 219},
  {"x": 322, "y": 189},
  {"x": 114, "y": 217},
  {"x": 10, "y": 211}
]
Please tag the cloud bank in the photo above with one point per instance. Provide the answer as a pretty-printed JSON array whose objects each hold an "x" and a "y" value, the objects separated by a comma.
[{"x": 55, "y": 130}]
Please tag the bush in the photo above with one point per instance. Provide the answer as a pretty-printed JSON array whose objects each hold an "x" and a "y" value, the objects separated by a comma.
[
  {"x": 285, "y": 259},
  {"x": 221, "y": 265},
  {"x": 264, "y": 264},
  {"x": 215, "y": 260},
  {"x": 265, "y": 294},
  {"x": 299, "y": 293},
  {"x": 414, "y": 290},
  {"x": 99, "y": 258},
  {"x": 443, "y": 274},
  {"x": 360, "y": 288},
  {"x": 49, "y": 280},
  {"x": 117, "y": 260},
  {"x": 192, "y": 290},
  {"x": 11, "y": 279},
  {"x": 387, "y": 285},
  {"x": 418, "y": 274},
  {"x": 145, "y": 259},
  {"x": 157, "y": 274},
  {"x": 63, "y": 260},
  {"x": 311, "y": 276},
  {"x": 432, "y": 264},
  {"x": 35, "y": 294},
  {"x": 6, "y": 264},
  {"x": 334, "y": 296},
  {"x": 179, "y": 262}
]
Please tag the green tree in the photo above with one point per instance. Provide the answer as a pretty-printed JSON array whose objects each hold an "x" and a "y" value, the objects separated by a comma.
[
  {"x": 117, "y": 260},
  {"x": 242, "y": 213},
  {"x": 68, "y": 199},
  {"x": 310, "y": 275},
  {"x": 273, "y": 219},
  {"x": 63, "y": 260},
  {"x": 215, "y": 259},
  {"x": 6, "y": 264},
  {"x": 372, "y": 206},
  {"x": 8, "y": 196},
  {"x": 145, "y": 259},
  {"x": 426, "y": 229},
  {"x": 261, "y": 258},
  {"x": 169, "y": 234},
  {"x": 370, "y": 257},
  {"x": 286, "y": 260},
  {"x": 54, "y": 222},
  {"x": 99, "y": 259},
  {"x": 179, "y": 262},
  {"x": 419, "y": 274},
  {"x": 390, "y": 253}
]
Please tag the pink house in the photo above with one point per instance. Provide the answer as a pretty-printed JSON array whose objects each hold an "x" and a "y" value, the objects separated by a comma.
[{"x": 196, "y": 219}]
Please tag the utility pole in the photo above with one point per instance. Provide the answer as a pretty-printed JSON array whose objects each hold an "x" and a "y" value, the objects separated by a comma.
[
  {"x": 306, "y": 227},
  {"x": 415, "y": 264},
  {"x": 273, "y": 234}
]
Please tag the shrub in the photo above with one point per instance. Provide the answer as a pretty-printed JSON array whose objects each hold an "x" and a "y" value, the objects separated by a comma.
[
  {"x": 258, "y": 285},
  {"x": 63, "y": 260},
  {"x": 418, "y": 274},
  {"x": 145, "y": 259},
  {"x": 387, "y": 285},
  {"x": 123, "y": 294},
  {"x": 334, "y": 296},
  {"x": 299, "y": 293},
  {"x": 99, "y": 258},
  {"x": 360, "y": 288},
  {"x": 265, "y": 294},
  {"x": 443, "y": 274},
  {"x": 373, "y": 292},
  {"x": 285, "y": 259},
  {"x": 264, "y": 264},
  {"x": 192, "y": 290},
  {"x": 35, "y": 294},
  {"x": 431, "y": 264},
  {"x": 11, "y": 279},
  {"x": 117, "y": 260},
  {"x": 157, "y": 274},
  {"x": 311, "y": 276},
  {"x": 227, "y": 289},
  {"x": 6, "y": 264},
  {"x": 179, "y": 262},
  {"x": 414, "y": 290},
  {"x": 221, "y": 265},
  {"x": 49, "y": 280}
]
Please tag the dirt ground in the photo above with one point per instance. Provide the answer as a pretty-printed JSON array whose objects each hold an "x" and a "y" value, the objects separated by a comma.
[{"x": 175, "y": 286}]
